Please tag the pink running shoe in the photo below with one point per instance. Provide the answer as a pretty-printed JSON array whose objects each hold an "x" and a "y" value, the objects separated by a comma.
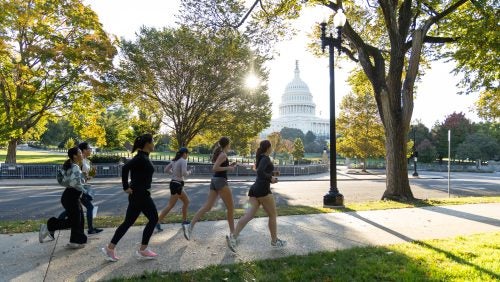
[
  {"x": 109, "y": 254},
  {"x": 146, "y": 254}
]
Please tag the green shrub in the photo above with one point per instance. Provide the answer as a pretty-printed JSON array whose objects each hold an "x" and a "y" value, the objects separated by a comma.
[{"x": 104, "y": 159}]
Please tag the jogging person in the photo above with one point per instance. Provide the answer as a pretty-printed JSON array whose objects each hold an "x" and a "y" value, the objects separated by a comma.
[
  {"x": 260, "y": 194},
  {"x": 141, "y": 172},
  {"x": 86, "y": 199},
  {"x": 178, "y": 167},
  {"x": 218, "y": 187},
  {"x": 73, "y": 180}
]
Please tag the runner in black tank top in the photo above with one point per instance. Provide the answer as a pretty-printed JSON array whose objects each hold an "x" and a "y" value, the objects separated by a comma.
[{"x": 218, "y": 187}]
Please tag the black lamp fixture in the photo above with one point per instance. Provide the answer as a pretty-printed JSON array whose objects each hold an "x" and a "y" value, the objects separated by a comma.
[{"x": 333, "y": 198}]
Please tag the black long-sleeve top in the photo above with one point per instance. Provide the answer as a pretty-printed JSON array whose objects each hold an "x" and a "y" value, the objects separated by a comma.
[
  {"x": 141, "y": 172},
  {"x": 265, "y": 170}
]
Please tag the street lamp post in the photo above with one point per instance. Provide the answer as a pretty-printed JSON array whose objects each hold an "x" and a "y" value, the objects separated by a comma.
[
  {"x": 415, "y": 153},
  {"x": 333, "y": 198}
]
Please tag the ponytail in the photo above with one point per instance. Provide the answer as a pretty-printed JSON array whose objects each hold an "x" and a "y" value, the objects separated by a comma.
[
  {"x": 141, "y": 141},
  {"x": 178, "y": 155},
  {"x": 69, "y": 162},
  {"x": 217, "y": 148}
]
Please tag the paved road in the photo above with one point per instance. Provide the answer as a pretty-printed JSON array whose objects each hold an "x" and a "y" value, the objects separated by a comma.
[{"x": 32, "y": 200}]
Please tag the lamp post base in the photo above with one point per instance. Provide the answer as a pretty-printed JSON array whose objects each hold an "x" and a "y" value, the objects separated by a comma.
[
  {"x": 333, "y": 200},
  {"x": 415, "y": 174}
]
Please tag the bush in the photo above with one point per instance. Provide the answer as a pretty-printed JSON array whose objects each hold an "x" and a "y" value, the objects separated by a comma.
[
  {"x": 104, "y": 159},
  {"x": 302, "y": 162}
]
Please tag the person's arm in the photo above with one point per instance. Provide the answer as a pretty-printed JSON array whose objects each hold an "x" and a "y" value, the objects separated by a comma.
[
  {"x": 217, "y": 165},
  {"x": 76, "y": 179},
  {"x": 184, "y": 170},
  {"x": 126, "y": 171},
  {"x": 261, "y": 169},
  {"x": 168, "y": 168}
]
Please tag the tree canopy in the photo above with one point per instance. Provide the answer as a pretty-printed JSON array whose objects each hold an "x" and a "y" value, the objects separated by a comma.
[{"x": 51, "y": 52}]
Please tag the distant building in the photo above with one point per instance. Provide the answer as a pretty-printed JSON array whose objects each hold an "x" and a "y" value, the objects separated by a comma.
[{"x": 297, "y": 110}]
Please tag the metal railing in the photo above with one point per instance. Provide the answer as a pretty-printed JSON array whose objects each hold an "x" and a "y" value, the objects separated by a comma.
[{"x": 30, "y": 171}]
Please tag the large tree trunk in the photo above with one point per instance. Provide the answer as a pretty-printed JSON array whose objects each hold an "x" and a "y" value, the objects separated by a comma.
[
  {"x": 11, "y": 151},
  {"x": 397, "y": 184}
]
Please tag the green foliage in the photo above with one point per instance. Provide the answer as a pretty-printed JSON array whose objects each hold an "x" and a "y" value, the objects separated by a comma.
[
  {"x": 58, "y": 132},
  {"x": 70, "y": 143},
  {"x": 460, "y": 128},
  {"x": 195, "y": 79},
  {"x": 426, "y": 151},
  {"x": 104, "y": 159},
  {"x": 50, "y": 53},
  {"x": 359, "y": 126},
  {"x": 309, "y": 137},
  {"x": 292, "y": 133},
  {"x": 116, "y": 124},
  {"x": 488, "y": 105},
  {"x": 478, "y": 146},
  {"x": 298, "y": 149}
]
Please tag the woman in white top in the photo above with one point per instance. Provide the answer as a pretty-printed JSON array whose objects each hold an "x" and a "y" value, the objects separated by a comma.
[{"x": 178, "y": 168}]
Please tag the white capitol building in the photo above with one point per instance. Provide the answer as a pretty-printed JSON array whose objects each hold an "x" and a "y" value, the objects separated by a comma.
[{"x": 297, "y": 110}]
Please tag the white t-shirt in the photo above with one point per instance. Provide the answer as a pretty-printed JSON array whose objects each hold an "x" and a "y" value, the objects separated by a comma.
[{"x": 178, "y": 169}]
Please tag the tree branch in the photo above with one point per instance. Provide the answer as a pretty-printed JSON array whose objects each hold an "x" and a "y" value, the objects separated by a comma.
[
  {"x": 444, "y": 13},
  {"x": 432, "y": 39}
]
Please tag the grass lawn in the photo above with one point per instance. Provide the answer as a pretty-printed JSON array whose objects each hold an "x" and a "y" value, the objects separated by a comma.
[
  {"x": 465, "y": 258},
  {"x": 31, "y": 225},
  {"x": 34, "y": 157}
]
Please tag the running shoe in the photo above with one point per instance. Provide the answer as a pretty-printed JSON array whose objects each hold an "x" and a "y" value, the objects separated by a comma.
[
  {"x": 158, "y": 228},
  {"x": 94, "y": 231},
  {"x": 146, "y": 254},
  {"x": 74, "y": 246},
  {"x": 109, "y": 254},
  {"x": 279, "y": 243},
  {"x": 43, "y": 232},
  {"x": 51, "y": 236},
  {"x": 187, "y": 231},
  {"x": 231, "y": 242}
]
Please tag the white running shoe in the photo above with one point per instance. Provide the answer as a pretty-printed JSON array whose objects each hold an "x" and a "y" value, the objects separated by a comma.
[
  {"x": 109, "y": 254},
  {"x": 146, "y": 254},
  {"x": 231, "y": 242},
  {"x": 187, "y": 231},
  {"x": 74, "y": 246},
  {"x": 279, "y": 243},
  {"x": 43, "y": 233}
]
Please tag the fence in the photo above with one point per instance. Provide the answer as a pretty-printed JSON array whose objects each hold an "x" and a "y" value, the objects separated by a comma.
[{"x": 114, "y": 170}]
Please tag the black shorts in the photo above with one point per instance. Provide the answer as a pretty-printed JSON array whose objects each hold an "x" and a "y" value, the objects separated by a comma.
[
  {"x": 259, "y": 191},
  {"x": 176, "y": 187}
]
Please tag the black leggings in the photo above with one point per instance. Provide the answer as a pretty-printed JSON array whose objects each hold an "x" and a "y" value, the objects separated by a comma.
[
  {"x": 87, "y": 203},
  {"x": 138, "y": 203},
  {"x": 71, "y": 202}
]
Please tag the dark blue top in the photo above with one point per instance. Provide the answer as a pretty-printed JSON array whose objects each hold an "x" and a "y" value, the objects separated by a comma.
[
  {"x": 141, "y": 171},
  {"x": 222, "y": 173}
]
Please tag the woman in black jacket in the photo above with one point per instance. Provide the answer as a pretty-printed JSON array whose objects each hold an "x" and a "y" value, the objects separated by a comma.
[
  {"x": 260, "y": 194},
  {"x": 139, "y": 198}
]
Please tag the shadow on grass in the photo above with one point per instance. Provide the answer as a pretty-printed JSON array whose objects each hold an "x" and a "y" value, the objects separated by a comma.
[{"x": 448, "y": 254}]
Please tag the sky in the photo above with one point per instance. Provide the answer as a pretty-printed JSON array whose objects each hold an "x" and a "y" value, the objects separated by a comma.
[{"x": 436, "y": 95}]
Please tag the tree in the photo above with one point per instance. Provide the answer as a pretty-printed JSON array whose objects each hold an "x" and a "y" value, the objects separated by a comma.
[
  {"x": 389, "y": 41},
  {"x": 292, "y": 133},
  {"x": 195, "y": 79},
  {"x": 276, "y": 142},
  {"x": 298, "y": 149},
  {"x": 50, "y": 53},
  {"x": 70, "y": 143},
  {"x": 420, "y": 132},
  {"x": 460, "y": 128},
  {"x": 58, "y": 132},
  {"x": 359, "y": 126},
  {"x": 426, "y": 151},
  {"x": 309, "y": 138},
  {"x": 116, "y": 126},
  {"x": 478, "y": 146},
  {"x": 488, "y": 105}
]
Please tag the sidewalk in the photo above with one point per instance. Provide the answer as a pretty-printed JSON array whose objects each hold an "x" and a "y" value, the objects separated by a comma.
[
  {"x": 24, "y": 259},
  {"x": 164, "y": 178}
]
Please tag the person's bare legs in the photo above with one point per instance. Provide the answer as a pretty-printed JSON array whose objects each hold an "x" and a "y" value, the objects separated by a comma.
[
  {"x": 227, "y": 198},
  {"x": 185, "y": 204},
  {"x": 270, "y": 207},
  {"x": 212, "y": 197},
  {"x": 170, "y": 206},
  {"x": 249, "y": 215}
]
